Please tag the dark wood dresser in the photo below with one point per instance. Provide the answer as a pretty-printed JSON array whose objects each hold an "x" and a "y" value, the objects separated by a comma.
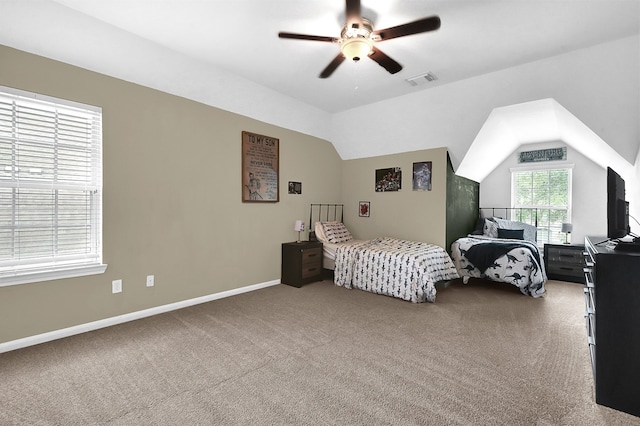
[
  {"x": 301, "y": 263},
  {"x": 612, "y": 312}
]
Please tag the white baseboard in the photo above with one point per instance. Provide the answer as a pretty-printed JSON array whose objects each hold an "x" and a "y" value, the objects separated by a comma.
[{"x": 107, "y": 322}]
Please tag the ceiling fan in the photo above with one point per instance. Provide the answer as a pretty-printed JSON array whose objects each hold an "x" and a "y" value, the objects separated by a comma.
[{"x": 358, "y": 38}]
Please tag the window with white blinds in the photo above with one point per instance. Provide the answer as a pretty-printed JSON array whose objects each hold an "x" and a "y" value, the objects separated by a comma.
[
  {"x": 542, "y": 197},
  {"x": 50, "y": 188}
]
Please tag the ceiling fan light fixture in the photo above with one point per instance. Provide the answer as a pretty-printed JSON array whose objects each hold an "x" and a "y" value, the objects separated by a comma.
[
  {"x": 356, "y": 48},
  {"x": 357, "y": 39}
]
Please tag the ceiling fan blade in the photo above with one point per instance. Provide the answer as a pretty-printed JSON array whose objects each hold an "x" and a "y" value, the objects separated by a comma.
[
  {"x": 385, "y": 61},
  {"x": 353, "y": 10},
  {"x": 308, "y": 37},
  {"x": 332, "y": 66},
  {"x": 420, "y": 26}
]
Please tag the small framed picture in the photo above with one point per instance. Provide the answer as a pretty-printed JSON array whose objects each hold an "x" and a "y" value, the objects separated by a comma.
[
  {"x": 364, "y": 209},
  {"x": 295, "y": 187}
]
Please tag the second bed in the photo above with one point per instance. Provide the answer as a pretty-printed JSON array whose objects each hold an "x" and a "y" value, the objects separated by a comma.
[{"x": 504, "y": 251}]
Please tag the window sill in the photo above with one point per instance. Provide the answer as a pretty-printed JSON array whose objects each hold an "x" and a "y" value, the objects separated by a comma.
[{"x": 26, "y": 277}]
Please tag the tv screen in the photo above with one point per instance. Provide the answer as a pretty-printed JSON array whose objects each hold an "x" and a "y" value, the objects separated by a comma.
[{"x": 617, "y": 207}]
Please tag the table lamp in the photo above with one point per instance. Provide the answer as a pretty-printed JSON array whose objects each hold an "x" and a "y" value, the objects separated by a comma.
[
  {"x": 566, "y": 228},
  {"x": 299, "y": 226}
]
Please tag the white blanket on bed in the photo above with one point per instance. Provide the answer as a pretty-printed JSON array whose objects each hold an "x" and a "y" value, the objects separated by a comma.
[{"x": 404, "y": 269}]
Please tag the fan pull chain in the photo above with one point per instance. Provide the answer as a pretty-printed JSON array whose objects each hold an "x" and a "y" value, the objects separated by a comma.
[{"x": 356, "y": 78}]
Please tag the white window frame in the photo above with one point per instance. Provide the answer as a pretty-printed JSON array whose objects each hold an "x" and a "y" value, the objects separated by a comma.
[
  {"x": 531, "y": 168},
  {"x": 17, "y": 269}
]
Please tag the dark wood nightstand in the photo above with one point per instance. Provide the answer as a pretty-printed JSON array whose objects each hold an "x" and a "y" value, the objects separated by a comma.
[
  {"x": 564, "y": 262},
  {"x": 301, "y": 263}
]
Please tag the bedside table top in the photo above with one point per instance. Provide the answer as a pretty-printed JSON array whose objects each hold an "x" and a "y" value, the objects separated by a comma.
[
  {"x": 303, "y": 243},
  {"x": 565, "y": 245}
]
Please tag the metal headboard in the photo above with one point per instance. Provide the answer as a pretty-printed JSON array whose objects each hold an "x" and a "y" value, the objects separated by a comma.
[
  {"x": 326, "y": 213},
  {"x": 512, "y": 213}
]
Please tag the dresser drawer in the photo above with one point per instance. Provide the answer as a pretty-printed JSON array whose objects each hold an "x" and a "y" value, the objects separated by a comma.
[
  {"x": 567, "y": 252},
  {"x": 312, "y": 256},
  {"x": 311, "y": 270},
  {"x": 592, "y": 356},
  {"x": 590, "y": 314},
  {"x": 572, "y": 269}
]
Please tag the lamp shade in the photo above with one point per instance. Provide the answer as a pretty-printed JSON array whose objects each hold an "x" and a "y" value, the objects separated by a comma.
[
  {"x": 566, "y": 228},
  {"x": 299, "y": 226},
  {"x": 356, "y": 48}
]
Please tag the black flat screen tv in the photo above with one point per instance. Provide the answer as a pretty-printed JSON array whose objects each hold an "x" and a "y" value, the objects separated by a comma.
[{"x": 617, "y": 207}]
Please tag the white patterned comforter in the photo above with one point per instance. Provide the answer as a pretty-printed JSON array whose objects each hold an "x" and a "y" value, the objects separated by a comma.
[
  {"x": 516, "y": 262},
  {"x": 404, "y": 269}
]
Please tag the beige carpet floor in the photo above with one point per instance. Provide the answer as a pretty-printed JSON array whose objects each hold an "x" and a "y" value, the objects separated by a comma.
[{"x": 482, "y": 354}]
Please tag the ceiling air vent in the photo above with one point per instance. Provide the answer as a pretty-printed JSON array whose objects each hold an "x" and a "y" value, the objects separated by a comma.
[{"x": 422, "y": 78}]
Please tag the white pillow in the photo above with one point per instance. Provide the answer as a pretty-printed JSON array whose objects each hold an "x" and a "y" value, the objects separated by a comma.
[
  {"x": 320, "y": 232},
  {"x": 490, "y": 228},
  {"x": 336, "y": 232}
]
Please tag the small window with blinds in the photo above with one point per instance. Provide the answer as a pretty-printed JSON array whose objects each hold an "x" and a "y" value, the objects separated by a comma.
[
  {"x": 50, "y": 188},
  {"x": 542, "y": 197}
]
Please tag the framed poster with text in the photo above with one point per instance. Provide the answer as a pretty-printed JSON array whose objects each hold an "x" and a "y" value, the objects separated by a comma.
[{"x": 260, "y": 162}]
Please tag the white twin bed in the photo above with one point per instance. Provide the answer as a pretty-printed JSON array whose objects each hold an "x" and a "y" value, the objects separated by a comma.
[{"x": 407, "y": 270}]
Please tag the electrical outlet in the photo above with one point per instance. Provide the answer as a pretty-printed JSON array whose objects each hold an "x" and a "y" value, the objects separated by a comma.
[
  {"x": 116, "y": 286},
  {"x": 150, "y": 280}
]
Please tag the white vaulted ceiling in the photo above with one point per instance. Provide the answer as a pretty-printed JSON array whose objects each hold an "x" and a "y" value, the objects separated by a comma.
[
  {"x": 240, "y": 36},
  {"x": 533, "y": 122},
  {"x": 476, "y": 37}
]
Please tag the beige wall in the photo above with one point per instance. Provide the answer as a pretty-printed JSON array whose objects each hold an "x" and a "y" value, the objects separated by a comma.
[
  {"x": 407, "y": 214},
  {"x": 172, "y": 200}
]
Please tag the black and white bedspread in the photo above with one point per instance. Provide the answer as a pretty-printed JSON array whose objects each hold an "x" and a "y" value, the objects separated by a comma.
[
  {"x": 516, "y": 262},
  {"x": 404, "y": 269}
]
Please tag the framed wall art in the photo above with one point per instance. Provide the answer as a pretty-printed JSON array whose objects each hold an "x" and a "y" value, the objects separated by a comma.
[
  {"x": 422, "y": 176},
  {"x": 260, "y": 163},
  {"x": 364, "y": 209},
  {"x": 388, "y": 179},
  {"x": 295, "y": 187}
]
